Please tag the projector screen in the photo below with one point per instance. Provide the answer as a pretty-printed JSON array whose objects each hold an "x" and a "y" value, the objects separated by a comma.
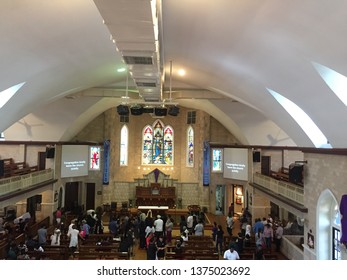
[
  {"x": 236, "y": 164},
  {"x": 74, "y": 160}
]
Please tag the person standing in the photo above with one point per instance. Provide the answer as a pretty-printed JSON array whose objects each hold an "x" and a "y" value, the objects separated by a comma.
[
  {"x": 190, "y": 223},
  {"x": 42, "y": 235},
  {"x": 219, "y": 240},
  {"x": 278, "y": 237},
  {"x": 113, "y": 226},
  {"x": 151, "y": 247},
  {"x": 168, "y": 228},
  {"x": 230, "y": 224},
  {"x": 268, "y": 236},
  {"x": 231, "y": 254},
  {"x": 159, "y": 226},
  {"x": 183, "y": 223},
  {"x": 58, "y": 215},
  {"x": 199, "y": 229},
  {"x": 142, "y": 234},
  {"x": 55, "y": 237},
  {"x": 231, "y": 209},
  {"x": 214, "y": 231},
  {"x": 73, "y": 235},
  {"x": 258, "y": 225},
  {"x": 161, "y": 246}
]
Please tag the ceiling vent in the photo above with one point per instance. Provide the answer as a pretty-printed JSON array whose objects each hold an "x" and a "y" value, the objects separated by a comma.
[{"x": 142, "y": 60}]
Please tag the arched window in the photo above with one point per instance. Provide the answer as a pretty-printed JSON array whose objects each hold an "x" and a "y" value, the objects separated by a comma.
[
  {"x": 157, "y": 145},
  {"x": 124, "y": 146},
  {"x": 190, "y": 147},
  {"x": 327, "y": 245}
]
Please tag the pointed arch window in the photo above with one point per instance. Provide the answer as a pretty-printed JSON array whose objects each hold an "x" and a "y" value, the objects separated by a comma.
[
  {"x": 158, "y": 143},
  {"x": 124, "y": 134},
  {"x": 190, "y": 147}
]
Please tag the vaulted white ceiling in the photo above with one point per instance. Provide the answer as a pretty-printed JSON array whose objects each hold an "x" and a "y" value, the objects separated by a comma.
[{"x": 234, "y": 53}]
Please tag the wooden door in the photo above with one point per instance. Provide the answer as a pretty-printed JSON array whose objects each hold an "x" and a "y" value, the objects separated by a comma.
[
  {"x": 90, "y": 197},
  {"x": 41, "y": 162},
  {"x": 266, "y": 165},
  {"x": 71, "y": 196}
]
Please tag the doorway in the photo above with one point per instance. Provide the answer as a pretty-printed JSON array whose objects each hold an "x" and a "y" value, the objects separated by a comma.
[
  {"x": 90, "y": 198},
  {"x": 220, "y": 199},
  {"x": 33, "y": 205},
  {"x": 41, "y": 164},
  {"x": 238, "y": 199},
  {"x": 71, "y": 196}
]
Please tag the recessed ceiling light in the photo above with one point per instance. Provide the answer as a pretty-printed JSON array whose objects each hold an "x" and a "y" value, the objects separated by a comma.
[
  {"x": 181, "y": 72},
  {"x": 120, "y": 70}
]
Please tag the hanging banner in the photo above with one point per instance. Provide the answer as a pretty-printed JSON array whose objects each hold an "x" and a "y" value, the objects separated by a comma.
[
  {"x": 106, "y": 174},
  {"x": 206, "y": 167}
]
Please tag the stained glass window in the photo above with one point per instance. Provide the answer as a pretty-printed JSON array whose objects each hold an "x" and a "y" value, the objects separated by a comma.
[
  {"x": 190, "y": 147},
  {"x": 124, "y": 146},
  {"x": 94, "y": 158},
  {"x": 158, "y": 143},
  {"x": 217, "y": 160}
]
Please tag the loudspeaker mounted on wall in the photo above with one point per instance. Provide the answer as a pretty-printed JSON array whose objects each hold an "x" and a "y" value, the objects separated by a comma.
[
  {"x": 50, "y": 151},
  {"x": 2, "y": 168},
  {"x": 256, "y": 156},
  {"x": 296, "y": 173}
]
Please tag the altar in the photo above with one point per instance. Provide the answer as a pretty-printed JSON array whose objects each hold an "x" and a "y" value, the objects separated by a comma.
[
  {"x": 158, "y": 208},
  {"x": 154, "y": 194}
]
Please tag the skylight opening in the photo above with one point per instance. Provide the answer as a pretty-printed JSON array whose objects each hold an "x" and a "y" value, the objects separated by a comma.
[
  {"x": 7, "y": 94},
  {"x": 336, "y": 81},
  {"x": 303, "y": 120}
]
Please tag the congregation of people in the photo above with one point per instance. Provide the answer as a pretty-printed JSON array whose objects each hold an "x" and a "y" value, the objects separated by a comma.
[{"x": 151, "y": 233}]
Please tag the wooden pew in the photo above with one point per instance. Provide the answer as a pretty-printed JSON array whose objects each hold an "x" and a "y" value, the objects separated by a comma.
[
  {"x": 211, "y": 255},
  {"x": 51, "y": 253},
  {"x": 93, "y": 251},
  {"x": 271, "y": 257},
  {"x": 246, "y": 256}
]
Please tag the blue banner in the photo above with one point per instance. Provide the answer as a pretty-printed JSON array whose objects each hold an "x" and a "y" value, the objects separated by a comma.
[
  {"x": 106, "y": 176},
  {"x": 206, "y": 166}
]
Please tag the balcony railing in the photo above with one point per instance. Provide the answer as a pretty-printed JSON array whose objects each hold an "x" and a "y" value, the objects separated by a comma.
[
  {"x": 288, "y": 190},
  {"x": 22, "y": 182}
]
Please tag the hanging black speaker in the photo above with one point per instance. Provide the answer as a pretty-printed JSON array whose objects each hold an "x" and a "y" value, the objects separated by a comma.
[
  {"x": 122, "y": 110},
  {"x": 173, "y": 111},
  {"x": 136, "y": 110},
  {"x": 160, "y": 111}
]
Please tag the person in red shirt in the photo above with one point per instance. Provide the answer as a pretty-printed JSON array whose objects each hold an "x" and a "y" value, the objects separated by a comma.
[{"x": 58, "y": 215}]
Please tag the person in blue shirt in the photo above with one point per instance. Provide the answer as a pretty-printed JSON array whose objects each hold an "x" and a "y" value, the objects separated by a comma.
[{"x": 259, "y": 225}]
